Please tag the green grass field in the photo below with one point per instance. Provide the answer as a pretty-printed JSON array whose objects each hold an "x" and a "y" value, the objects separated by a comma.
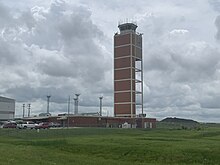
[{"x": 94, "y": 146}]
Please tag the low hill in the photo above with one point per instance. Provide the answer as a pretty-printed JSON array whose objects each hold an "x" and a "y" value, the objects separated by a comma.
[
  {"x": 178, "y": 123},
  {"x": 179, "y": 120}
]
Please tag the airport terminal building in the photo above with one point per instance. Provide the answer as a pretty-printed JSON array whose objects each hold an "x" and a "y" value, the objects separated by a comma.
[{"x": 7, "y": 108}]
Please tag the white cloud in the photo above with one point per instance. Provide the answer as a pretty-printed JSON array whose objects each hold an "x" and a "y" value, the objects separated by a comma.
[{"x": 179, "y": 32}]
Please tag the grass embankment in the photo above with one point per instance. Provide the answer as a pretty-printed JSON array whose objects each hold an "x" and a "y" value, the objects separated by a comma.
[{"x": 109, "y": 146}]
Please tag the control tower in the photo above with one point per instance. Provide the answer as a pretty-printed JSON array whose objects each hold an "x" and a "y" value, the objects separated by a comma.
[{"x": 128, "y": 71}]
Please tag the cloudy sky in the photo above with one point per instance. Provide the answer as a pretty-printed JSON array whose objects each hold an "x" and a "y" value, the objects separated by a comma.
[{"x": 66, "y": 47}]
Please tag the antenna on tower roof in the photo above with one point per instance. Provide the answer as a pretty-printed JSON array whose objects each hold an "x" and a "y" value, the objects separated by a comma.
[{"x": 125, "y": 21}]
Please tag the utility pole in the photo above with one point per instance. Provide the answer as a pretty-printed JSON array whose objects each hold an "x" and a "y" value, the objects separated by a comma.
[
  {"x": 48, "y": 102},
  {"x": 23, "y": 109},
  {"x": 100, "y": 98},
  {"x": 68, "y": 112}
]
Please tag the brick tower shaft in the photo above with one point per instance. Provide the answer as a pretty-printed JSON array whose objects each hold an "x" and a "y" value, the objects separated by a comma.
[{"x": 128, "y": 71}]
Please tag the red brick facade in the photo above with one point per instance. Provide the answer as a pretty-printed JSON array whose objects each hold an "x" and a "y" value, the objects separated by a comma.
[{"x": 96, "y": 121}]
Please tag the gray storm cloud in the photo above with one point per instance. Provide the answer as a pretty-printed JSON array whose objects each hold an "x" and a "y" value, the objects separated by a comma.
[
  {"x": 179, "y": 71},
  {"x": 57, "y": 48},
  {"x": 63, "y": 48}
]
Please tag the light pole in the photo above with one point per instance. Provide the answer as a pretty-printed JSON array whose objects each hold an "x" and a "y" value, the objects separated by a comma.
[
  {"x": 75, "y": 106},
  {"x": 100, "y": 98},
  {"x": 23, "y": 109},
  {"x": 29, "y": 110},
  {"x": 77, "y": 103},
  {"x": 48, "y": 102}
]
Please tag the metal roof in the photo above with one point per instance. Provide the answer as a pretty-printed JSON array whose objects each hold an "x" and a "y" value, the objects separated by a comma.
[{"x": 5, "y": 99}]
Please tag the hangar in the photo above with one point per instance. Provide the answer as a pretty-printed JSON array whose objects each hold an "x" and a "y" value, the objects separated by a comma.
[{"x": 7, "y": 108}]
